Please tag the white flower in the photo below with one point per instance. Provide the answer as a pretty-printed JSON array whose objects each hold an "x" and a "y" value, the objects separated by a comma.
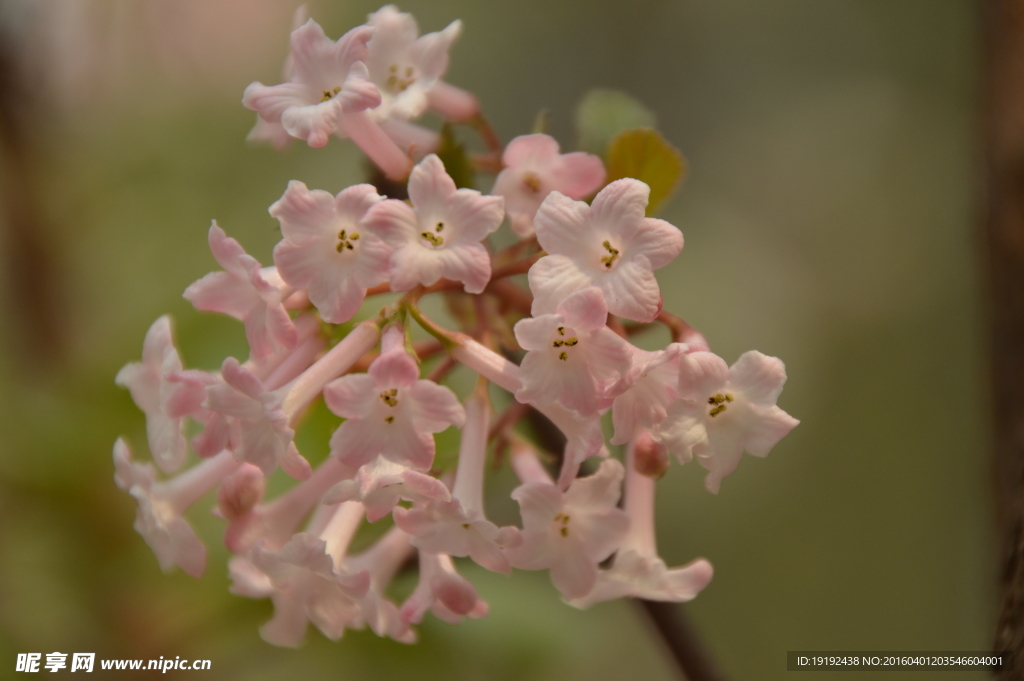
[
  {"x": 609, "y": 244},
  {"x": 722, "y": 411}
]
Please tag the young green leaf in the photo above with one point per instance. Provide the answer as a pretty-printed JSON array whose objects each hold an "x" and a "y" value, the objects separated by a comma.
[
  {"x": 645, "y": 155},
  {"x": 602, "y": 114}
]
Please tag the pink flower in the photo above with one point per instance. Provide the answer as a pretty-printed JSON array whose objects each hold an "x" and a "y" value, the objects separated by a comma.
[
  {"x": 379, "y": 485},
  {"x": 440, "y": 235},
  {"x": 583, "y": 437},
  {"x": 534, "y": 168},
  {"x": 609, "y": 244},
  {"x": 637, "y": 570},
  {"x": 328, "y": 80},
  {"x": 243, "y": 292},
  {"x": 643, "y": 396},
  {"x": 310, "y": 583},
  {"x": 572, "y": 358},
  {"x": 257, "y": 425},
  {"x": 458, "y": 527},
  {"x": 164, "y": 400},
  {"x": 326, "y": 251},
  {"x": 404, "y": 65},
  {"x": 274, "y": 133},
  {"x": 571, "y": 532},
  {"x": 389, "y": 412},
  {"x": 723, "y": 410},
  {"x": 161, "y": 505}
]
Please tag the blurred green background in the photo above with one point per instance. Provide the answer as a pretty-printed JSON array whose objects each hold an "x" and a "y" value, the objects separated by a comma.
[{"x": 829, "y": 216}]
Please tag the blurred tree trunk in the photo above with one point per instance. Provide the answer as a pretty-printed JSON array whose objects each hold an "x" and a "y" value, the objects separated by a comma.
[{"x": 1004, "y": 226}]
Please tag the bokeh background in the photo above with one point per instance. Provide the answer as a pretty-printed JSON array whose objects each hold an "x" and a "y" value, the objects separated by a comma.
[{"x": 830, "y": 219}]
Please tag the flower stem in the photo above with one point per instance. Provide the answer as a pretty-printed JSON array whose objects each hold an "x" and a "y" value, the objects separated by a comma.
[{"x": 678, "y": 634}]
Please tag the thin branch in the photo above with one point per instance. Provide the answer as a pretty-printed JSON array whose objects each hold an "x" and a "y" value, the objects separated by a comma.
[{"x": 680, "y": 637}]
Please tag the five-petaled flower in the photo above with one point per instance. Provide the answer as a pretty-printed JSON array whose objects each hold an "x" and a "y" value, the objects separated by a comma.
[
  {"x": 723, "y": 410},
  {"x": 572, "y": 358},
  {"x": 326, "y": 251},
  {"x": 244, "y": 292},
  {"x": 390, "y": 411},
  {"x": 534, "y": 168},
  {"x": 608, "y": 244},
  {"x": 327, "y": 81},
  {"x": 439, "y": 236}
]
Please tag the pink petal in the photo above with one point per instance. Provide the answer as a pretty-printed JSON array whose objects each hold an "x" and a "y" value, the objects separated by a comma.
[
  {"x": 430, "y": 187},
  {"x": 772, "y": 424},
  {"x": 394, "y": 370},
  {"x": 393, "y": 221},
  {"x": 658, "y": 241},
  {"x": 271, "y": 101},
  {"x": 574, "y": 574},
  {"x": 436, "y": 407},
  {"x": 580, "y": 174},
  {"x": 620, "y": 206},
  {"x": 562, "y": 224},
  {"x": 351, "y": 396},
  {"x": 760, "y": 378},
  {"x": 539, "y": 503},
  {"x": 552, "y": 279},
  {"x": 632, "y": 291},
  {"x": 535, "y": 333},
  {"x": 584, "y": 310},
  {"x": 701, "y": 375}
]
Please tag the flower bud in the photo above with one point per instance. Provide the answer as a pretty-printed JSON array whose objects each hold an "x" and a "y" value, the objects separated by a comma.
[
  {"x": 240, "y": 491},
  {"x": 651, "y": 457}
]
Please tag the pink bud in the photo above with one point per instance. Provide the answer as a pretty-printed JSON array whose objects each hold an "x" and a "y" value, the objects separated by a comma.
[
  {"x": 240, "y": 491},
  {"x": 651, "y": 458}
]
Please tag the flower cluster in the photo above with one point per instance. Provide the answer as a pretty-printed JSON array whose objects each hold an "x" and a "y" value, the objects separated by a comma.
[{"x": 558, "y": 351}]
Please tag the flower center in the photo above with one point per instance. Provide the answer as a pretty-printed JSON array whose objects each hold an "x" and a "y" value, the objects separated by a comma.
[
  {"x": 613, "y": 254},
  {"x": 718, "y": 402},
  {"x": 390, "y": 398},
  {"x": 532, "y": 182},
  {"x": 328, "y": 94},
  {"x": 346, "y": 241},
  {"x": 434, "y": 237},
  {"x": 564, "y": 343},
  {"x": 564, "y": 520},
  {"x": 399, "y": 79}
]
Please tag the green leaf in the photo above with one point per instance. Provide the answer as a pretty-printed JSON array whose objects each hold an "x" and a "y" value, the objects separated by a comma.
[
  {"x": 605, "y": 113},
  {"x": 645, "y": 155},
  {"x": 456, "y": 162}
]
